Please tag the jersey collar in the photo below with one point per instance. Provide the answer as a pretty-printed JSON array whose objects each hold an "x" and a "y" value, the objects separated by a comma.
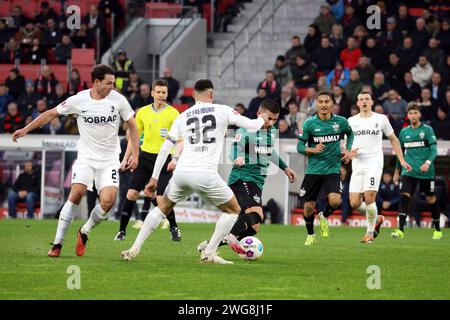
[{"x": 158, "y": 111}]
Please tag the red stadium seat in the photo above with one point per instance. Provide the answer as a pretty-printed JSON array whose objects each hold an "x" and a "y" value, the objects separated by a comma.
[
  {"x": 29, "y": 71},
  {"x": 162, "y": 10},
  {"x": 60, "y": 72},
  {"x": 4, "y": 71},
  {"x": 301, "y": 92},
  {"x": 28, "y": 7},
  {"x": 415, "y": 12},
  {"x": 207, "y": 15},
  {"x": 83, "y": 57},
  {"x": 5, "y": 8},
  {"x": 187, "y": 92},
  {"x": 51, "y": 56},
  {"x": 223, "y": 5},
  {"x": 180, "y": 106},
  {"x": 85, "y": 73}
]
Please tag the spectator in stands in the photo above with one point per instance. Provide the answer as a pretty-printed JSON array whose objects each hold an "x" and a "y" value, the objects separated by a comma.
[
  {"x": 395, "y": 108},
  {"x": 445, "y": 70},
  {"x": 295, "y": 50},
  {"x": 322, "y": 83},
  {"x": 41, "y": 107},
  {"x": 81, "y": 38},
  {"x": 239, "y": 108},
  {"x": 46, "y": 82},
  {"x": 76, "y": 84},
  {"x": 303, "y": 73},
  {"x": 325, "y": 56},
  {"x": 353, "y": 87},
  {"x": 376, "y": 55},
  {"x": 351, "y": 54},
  {"x": 337, "y": 39},
  {"x": 393, "y": 73},
  {"x": 437, "y": 88},
  {"x": 360, "y": 35},
  {"x": 13, "y": 119},
  {"x": 287, "y": 94},
  {"x": 26, "y": 187},
  {"x": 422, "y": 71},
  {"x": 63, "y": 50},
  {"x": 428, "y": 106},
  {"x": 390, "y": 36},
  {"x": 325, "y": 19},
  {"x": 405, "y": 21},
  {"x": 70, "y": 125},
  {"x": 434, "y": 54},
  {"x": 441, "y": 124},
  {"x": 51, "y": 35},
  {"x": 378, "y": 109},
  {"x": 255, "y": 103},
  {"x": 37, "y": 52},
  {"x": 388, "y": 196},
  {"x": 294, "y": 118},
  {"x": 27, "y": 34},
  {"x": 350, "y": 21},
  {"x": 379, "y": 87},
  {"x": 143, "y": 98},
  {"x": 5, "y": 99},
  {"x": 342, "y": 101},
  {"x": 56, "y": 127},
  {"x": 95, "y": 19},
  {"x": 338, "y": 76},
  {"x": 365, "y": 70},
  {"x": 312, "y": 39},
  {"x": 443, "y": 35},
  {"x": 5, "y": 33},
  {"x": 283, "y": 130},
  {"x": 308, "y": 106},
  {"x": 11, "y": 52},
  {"x": 46, "y": 13},
  {"x": 20, "y": 20},
  {"x": 132, "y": 85},
  {"x": 337, "y": 9},
  {"x": 406, "y": 52},
  {"x": 281, "y": 71},
  {"x": 110, "y": 7},
  {"x": 420, "y": 36},
  {"x": 15, "y": 83},
  {"x": 174, "y": 84},
  {"x": 28, "y": 98},
  {"x": 58, "y": 97},
  {"x": 409, "y": 90},
  {"x": 272, "y": 87},
  {"x": 431, "y": 21}
]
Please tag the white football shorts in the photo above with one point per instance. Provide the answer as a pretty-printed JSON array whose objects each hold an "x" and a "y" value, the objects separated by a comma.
[{"x": 103, "y": 174}]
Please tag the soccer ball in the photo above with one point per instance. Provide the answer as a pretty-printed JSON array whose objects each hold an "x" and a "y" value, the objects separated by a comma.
[{"x": 253, "y": 246}]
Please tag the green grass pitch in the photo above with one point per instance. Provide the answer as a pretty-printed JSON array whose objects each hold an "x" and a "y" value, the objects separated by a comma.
[{"x": 335, "y": 268}]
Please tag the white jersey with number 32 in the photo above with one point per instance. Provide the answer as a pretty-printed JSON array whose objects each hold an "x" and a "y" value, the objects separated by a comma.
[
  {"x": 369, "y": 139},
  {"x": 202, "y": 128}
]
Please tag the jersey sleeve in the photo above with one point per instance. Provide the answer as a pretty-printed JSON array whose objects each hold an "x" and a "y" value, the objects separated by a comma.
[
  {"x": 239, "y": 142},
  {"x": 175, "y": 133},
  {"x": 350, "y": 135},
  {"x": 68, "y": 106},
  {"x": 234, "y": 118},
  {"x": 126, "y": 112},
  {"x": 276, "y": 159},
  {"x": 400, "y": 139},
  {"x": 432, "y": 143},
  {"x": 387, "y": 127},
  {"x": 303, "y": 137},
  {"x": 139, "y": 121}
]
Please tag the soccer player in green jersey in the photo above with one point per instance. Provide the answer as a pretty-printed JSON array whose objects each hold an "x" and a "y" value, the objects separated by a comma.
[
  {"x": 252, "y": 153},
  {"x": 320, "y": 139},
  {"x": 419, "y": 144}
]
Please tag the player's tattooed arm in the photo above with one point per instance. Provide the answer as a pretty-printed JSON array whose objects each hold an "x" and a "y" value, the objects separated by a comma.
[{"x": 43, "y": 119}]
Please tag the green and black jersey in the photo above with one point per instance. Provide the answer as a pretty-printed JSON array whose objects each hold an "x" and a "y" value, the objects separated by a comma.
[
  {"x": 418, "y": 145},
  {"x": 330, "y": 133},
  {"x": 258, "y": 150}
]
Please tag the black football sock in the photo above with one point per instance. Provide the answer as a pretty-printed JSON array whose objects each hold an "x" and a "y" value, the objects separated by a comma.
[
  {"x": 145, "y": 208},
  {"x": 309, "y": 221},
  {"x": 436, "y": 216},
  {"x": 127, "y": 211},
  {"x": 328, "y": 210},
  {"x": 404, "y": 203},
  {"x": 172, "y": 220},
  {"x": 244, "y": 222},
  {"x": 246, "y": 233}
]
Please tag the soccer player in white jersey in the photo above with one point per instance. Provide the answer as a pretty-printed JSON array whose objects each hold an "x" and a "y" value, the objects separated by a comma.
[
  {"x": 367, "y": 166},
  {"x": 99, "y": 111},
  {"x": 202, "y": 129}
]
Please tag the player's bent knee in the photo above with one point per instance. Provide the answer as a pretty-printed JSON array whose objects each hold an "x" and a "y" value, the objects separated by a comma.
[
  {"x": 431, "y": 200},
  {"x": 355, "y": 204},
  {"x": 132, "y": 195},
  {"x": 106, "y": 205},
  {"x": 309, "y": 209}
]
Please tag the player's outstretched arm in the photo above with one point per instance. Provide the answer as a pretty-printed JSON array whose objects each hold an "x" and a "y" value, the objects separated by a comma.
[
  {"x": 178, "y": 149},
  {"x": 398, "y": 151},
  {"x": 251, "y": 124},
  {"x": 43, "y": 119}
]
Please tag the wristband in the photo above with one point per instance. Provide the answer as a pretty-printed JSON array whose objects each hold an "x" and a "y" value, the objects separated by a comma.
[{"x": 428, "y": 162}]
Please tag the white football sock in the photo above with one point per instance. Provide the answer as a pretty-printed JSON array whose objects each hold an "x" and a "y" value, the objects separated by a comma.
[
  {"x": 223, "y": 227},
  {"x": 65, "y": 220},
  {"x": 96, "y": 217},
  {"x": 372, "y": 214},
  {"x": 151, "y": 222},
  {"x": 362, "y": 208}
]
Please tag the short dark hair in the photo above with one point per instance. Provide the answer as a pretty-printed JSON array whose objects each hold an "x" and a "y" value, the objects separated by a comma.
[
  {"x": 270, "y": 105},
  {"x": 325, "y": 93},
  {"x": 413, "y": 105},
  {"x": 99, "y": 71},
  {"x": 240, "y": 105},
  {"x": 15, "y": 70},
  {"x": 202, "y": 85},
  {"x": 281, "y": 58},
  {"x": 296, "y": 37},
  {"x": 160, "y": 82}
]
